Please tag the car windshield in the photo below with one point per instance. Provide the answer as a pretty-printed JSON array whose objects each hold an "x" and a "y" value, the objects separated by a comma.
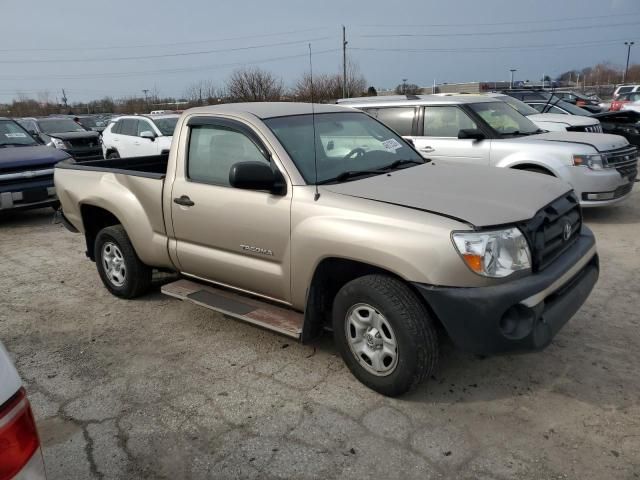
[
  {"x": 166, "y": 125},
  {"x": 504, "y": 119},
  {"x": 347, "y": 145},
  {"x": 570, "y": 107},
  {"x": 12, "y": 134},
  {"x": 59, "y": 125},
  {"x": 519, "y": 105},
  {"x": 88, "y": 122}
]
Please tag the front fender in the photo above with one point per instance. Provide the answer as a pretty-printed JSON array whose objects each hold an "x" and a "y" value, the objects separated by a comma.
[{"x": 519, "y": 159}]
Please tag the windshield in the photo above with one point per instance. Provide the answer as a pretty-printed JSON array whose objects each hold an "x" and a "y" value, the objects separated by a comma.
[
  {"x": 59, "y": 125},
  {"x": 345, "y": 143},
  {"x": 504, "y": 119},
  {"x": 519, "y": 105},
  {"x": 87, "y": 122},
  {"x": 166, "y": 125},
  {"x": 570, "y": 107},
  {"x": 13, "y": 134}
]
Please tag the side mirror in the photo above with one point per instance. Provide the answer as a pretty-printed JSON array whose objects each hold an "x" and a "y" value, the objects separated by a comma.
[
  {"x": 256, "y": 176},
  {"x": 148, "y": 134},
  {"x": 471, "y": 134}
]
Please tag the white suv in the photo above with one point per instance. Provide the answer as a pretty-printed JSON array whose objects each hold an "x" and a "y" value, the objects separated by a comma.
[
  {"x": 138, "y": 135},
  {"x": 478, "y": 130}
]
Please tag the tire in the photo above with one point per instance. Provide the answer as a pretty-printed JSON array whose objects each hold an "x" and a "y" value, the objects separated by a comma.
[
  {"x": 400, "y": 317},
  {"x": 129, "y": 277},
  {"x": 112, "y": 155}
]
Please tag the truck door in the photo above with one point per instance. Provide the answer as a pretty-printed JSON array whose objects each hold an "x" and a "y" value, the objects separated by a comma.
[
  {"x": 230, "y": 236},
  {"x": 439, "y": 139}
]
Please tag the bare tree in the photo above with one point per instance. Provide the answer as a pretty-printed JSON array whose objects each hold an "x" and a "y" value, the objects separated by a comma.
[
  {"x": 253, "y": 84},
  {"x": 328, "y": 87},
  {"x": 203, "y": 92}
]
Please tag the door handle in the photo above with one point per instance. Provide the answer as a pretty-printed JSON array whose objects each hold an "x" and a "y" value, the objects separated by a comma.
[
  {"x": 184, "y": 201},
  {"x": 427, "y": 149}
]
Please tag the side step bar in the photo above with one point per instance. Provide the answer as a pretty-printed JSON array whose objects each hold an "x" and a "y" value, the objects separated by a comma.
[{"x": 248, "y": 309}]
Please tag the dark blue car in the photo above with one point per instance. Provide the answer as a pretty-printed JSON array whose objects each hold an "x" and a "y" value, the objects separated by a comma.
[{"x": 26, "y": 169}]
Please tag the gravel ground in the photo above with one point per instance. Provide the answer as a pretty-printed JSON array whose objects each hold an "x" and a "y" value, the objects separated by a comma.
[{"x": 158, "y": 388}]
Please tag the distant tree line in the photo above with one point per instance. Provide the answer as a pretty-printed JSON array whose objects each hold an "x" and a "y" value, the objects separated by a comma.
[
  {"x": 249, "y": 84},
  {"x": 601, "y": 74}
]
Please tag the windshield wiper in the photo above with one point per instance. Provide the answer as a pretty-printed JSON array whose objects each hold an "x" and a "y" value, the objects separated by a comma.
[
  {"x": 348, "y": 175},
  {"x": 399, "y": 163}
]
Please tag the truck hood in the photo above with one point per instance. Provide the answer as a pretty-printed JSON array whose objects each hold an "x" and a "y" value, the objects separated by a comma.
[
  {"x": 74, "y": 135},
  {"x": 622, "y": 116},
  {"x": 600, "y": 141},
  {"x": 480, "y": 196},
  {"x": 37, "y": 155},
  {"x": 572, "y": 120}
]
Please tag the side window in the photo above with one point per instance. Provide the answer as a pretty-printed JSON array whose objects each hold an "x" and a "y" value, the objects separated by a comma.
[
  {"x": 143, "y": 126},
  {"x": 538, "y": 106},
  {"x": 555, "y": 109},
  {"x": 399, "y": 119},
  {"x": 214, "y": 149},
  {"x": 445, "y": 121},
  {"x": 129, "y": 126},
  {"x": 116, "y": 127},
  {"x": 30, "y": 126}
]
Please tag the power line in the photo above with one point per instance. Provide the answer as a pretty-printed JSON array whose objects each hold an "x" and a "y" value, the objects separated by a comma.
[
  {"x": 491, "y": 49},
  {"x": 475, "y": 24},
  {"x": 165, "y": 71},
  {"x": 511, "y": 32},
  {"x": 172, "y": 44},
  {"x": 165, "y": 55}
]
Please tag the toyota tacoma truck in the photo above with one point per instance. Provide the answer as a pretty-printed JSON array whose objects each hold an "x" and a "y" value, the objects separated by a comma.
[{"x": 297, "y": 220}]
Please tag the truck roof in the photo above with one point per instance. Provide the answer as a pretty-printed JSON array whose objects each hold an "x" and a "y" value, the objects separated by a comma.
[
  {"x": 269, "y": 109},
  {"x": 438, "y": 99}
]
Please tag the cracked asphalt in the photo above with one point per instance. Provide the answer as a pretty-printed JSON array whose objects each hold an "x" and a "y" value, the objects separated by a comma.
[{"x": 158, "y": 388}]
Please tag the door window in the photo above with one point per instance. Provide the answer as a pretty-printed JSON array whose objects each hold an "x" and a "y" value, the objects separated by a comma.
[
  {"x": 446, "y": 121},
  {"x": 128, "y": 126},
  {"x": 398, "y": 119},
  {"x": 214, "y": 149},
  {"x": 144, "y": 126}
]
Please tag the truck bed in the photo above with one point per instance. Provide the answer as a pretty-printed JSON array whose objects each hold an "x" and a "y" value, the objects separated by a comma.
[{"x": 154, "y": 166}]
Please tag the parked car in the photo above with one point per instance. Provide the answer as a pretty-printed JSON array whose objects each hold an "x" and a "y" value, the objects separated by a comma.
[
  {"x": 295, "y": 221},
  {"x": 624, "y": 99},
  {"x": 477, "y": 130},
  {"x": 552, "y": 122},
  {"x": 625, "y": 89},
  {"x": 26, "y": 169},
  {"x": 631, "y": 107},
  {"x": 610, "y": 122},
  {"x": 20, "y": 453},
  {"x": 138, "y": 135},
  {"x": 91, "y": 122},
  {"x": 65, "y": 134},
  {"x": 583, "y": 101}
]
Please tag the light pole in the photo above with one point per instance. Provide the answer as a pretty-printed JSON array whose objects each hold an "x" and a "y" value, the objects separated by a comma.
[
  {"x": 404, "y": 86},
  {"x": 513, "y": 70},
  {"x": 626, "y": 69}
]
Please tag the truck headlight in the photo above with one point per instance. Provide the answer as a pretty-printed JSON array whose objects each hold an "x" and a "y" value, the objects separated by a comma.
[
  {"x": 495, "y": 254},
  {"x": 57, "y": 143},
  {"x": 594, "y": 162}
]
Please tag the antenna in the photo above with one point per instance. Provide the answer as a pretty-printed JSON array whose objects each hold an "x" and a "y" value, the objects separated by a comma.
[{"x": 313, "y": 122}]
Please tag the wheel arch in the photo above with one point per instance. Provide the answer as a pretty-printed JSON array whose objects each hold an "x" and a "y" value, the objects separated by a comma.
[
  {"x": 534, "y": 166},
  {"x": 94, "y": 219}
]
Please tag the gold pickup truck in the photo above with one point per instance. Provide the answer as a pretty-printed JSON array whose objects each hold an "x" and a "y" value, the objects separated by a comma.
[{"x": 300, "y": 221}]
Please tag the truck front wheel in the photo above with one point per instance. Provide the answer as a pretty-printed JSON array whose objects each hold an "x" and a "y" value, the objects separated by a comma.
[
  {"x": 119, "y": 267},
  {"x": 384, "y": 334}
]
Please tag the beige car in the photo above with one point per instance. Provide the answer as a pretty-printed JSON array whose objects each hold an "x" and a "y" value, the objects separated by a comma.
[{"x": 298, "y": 222}]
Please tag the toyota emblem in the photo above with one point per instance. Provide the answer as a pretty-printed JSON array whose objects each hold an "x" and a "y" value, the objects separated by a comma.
[{"x": 566, "y": 231}]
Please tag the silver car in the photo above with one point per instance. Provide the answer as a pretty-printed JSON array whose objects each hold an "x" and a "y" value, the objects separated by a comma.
[{"x": 479, "y": 130}]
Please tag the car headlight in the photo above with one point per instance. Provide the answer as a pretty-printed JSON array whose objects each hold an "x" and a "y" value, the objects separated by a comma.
[
  {"x": 594, "y": 162},
  {"x": 495, "y": 254},
  {"x": 56, "y": 142}
]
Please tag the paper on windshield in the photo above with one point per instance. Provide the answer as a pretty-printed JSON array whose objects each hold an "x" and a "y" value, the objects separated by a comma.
[
  {"x": 15, "y": 135},
  {"x": 391, "y": 145}
]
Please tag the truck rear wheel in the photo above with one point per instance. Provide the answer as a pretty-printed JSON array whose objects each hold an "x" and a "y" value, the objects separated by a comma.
[
  {"x": 119, "y": 267},
  {"x": 384, "y": 334}
]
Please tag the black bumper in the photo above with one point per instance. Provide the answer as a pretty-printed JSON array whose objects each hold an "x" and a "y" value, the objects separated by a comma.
[{"x": 489, "y": 320}]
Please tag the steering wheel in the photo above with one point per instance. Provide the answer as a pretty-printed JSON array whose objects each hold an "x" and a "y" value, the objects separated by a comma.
[{"x": 355, "y": 153}]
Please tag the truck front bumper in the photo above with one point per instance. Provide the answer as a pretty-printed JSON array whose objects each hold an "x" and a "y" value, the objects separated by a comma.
[{"x": 521, "y": 315}]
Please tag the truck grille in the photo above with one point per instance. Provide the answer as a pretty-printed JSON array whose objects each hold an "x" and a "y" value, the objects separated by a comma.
[
  {"x": 589, "y": 128},
  {"x": 84, "y": 142},
  {"x": 548, "y": 232}
]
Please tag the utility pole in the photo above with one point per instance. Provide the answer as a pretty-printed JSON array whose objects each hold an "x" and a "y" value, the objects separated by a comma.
[
  {"x": 626, "y": 69},
  {"x": 513, "y": 70},
  {"x": 345, "y": 93},
  {"x": 404, "y": 86},
  {"x": 64, "y": 99}
]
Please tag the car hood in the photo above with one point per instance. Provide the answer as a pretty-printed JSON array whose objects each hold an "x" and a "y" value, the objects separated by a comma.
[
  {"x": 480, "y": 196},
  {"x": 572, "y": 120},
  {"x": 600, "y": 141},
  {"x": 622, "y": 116},
  {"x": 72, "y": 135},
  {"x": 37, "y": 155}
]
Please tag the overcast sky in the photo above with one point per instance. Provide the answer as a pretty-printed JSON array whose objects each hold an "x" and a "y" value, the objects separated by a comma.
[{"x": 80, "y": 45}]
